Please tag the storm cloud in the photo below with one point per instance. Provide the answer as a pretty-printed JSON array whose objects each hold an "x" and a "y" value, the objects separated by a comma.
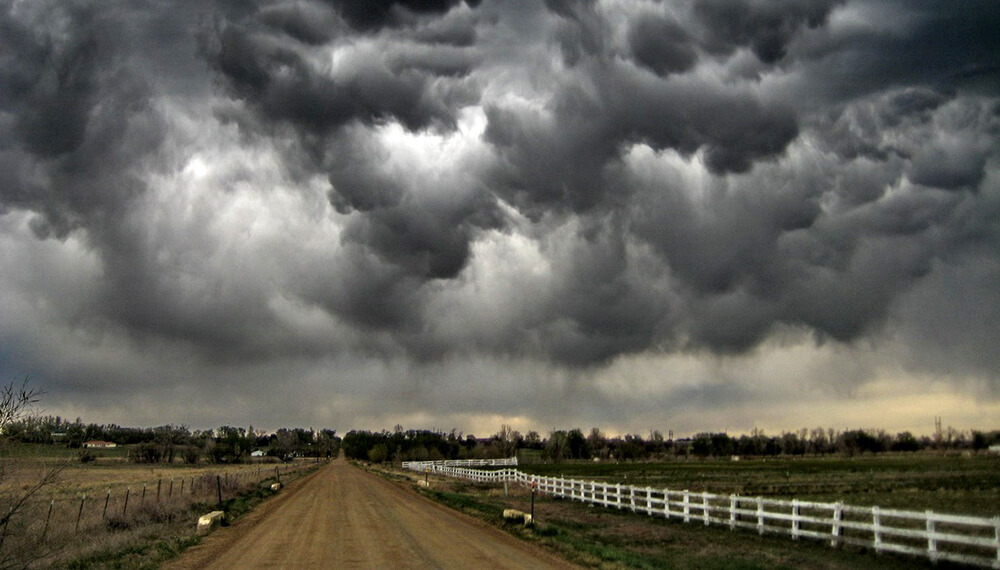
[{"x": 378, "y": 200}]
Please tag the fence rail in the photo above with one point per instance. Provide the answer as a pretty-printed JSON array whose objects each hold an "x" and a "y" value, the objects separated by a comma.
[
  {"x": 937, "y": 536},
  {"x": 423, "y": 465}
]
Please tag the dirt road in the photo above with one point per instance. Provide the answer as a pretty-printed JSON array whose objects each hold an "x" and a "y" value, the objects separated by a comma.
[{"x": 343, "y": 517}]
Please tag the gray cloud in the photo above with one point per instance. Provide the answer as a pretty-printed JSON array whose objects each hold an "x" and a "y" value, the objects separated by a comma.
[{"x": 437, "y": 185}]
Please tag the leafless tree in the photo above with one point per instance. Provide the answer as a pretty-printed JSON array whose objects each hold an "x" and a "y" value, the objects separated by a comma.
[{"x": 16, "y": 402}]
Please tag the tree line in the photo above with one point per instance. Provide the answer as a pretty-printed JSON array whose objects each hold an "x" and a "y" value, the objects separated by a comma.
[
  {"x": 561, "y": 445},
  {"x": 169, "y": 443}
]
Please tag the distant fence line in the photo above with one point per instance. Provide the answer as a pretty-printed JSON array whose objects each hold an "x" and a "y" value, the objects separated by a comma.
[
  {"x": 423, "y": 465},
  {"x": 957, "y": 538}
]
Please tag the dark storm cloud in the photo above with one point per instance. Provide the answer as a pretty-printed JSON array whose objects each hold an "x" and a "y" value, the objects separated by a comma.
[
  {"x": 285, "y": 86},
  {"x": 767, "y": 27},
  {"x": 420, "y": 87},
  {"x": 378, "y": 13},
  {"x": 560, "y": 159},
  {"x": 662, "y": 45},
  {"x": 85, "y": 128},
  {"x": 717, "y": 170},
  {"x": 71, "y": 106}
]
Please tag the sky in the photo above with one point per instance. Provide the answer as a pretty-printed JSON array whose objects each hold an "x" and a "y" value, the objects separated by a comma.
[{"x": 687, "y": 216}]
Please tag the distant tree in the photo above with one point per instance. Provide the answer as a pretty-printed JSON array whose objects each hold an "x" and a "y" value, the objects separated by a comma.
[
  {"x": 533, "y": 441},
  {"x": 556, "y": 448},
  {"x": 598, "y": 443},
  {"x": 507, "y": 441},
  {"x": 379, "y": 453},
  {"x": 905, "y": 441},
  {"x": 147, "y": 453},
  {"x": 576, "y": 444}
]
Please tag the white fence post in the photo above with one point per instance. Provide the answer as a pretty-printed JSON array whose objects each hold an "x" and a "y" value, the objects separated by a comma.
[
  {"x": 618, "y": 495},
  {"x": 795, "y": 519},
  {"x": 996, "y": 540},
  {"x": 877, "y": 530},
  {"x": 666, "y": 508},
  {"x": 760, "y": 515},
  {"x": 687, "y": 505},
  {"x": 931, "y": 539},
  {"x": 835, "y": 529},
  {"x": 631, "y": 498},
  {"x": 732, "y": 511},
  {"x": 649, "y": 501},
  {"x": 704, "y": 506}
]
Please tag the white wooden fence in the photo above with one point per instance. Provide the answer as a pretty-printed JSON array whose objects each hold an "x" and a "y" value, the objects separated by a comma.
[
  {"x": 957, "y": 538},
  {"x": 423, "y": 465}
]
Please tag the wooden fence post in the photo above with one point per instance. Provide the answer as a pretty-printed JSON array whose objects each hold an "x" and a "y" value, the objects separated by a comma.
[
  {"x": 931, "y": 538},
  {"x": 795, "y": 519},
  {"x": 107, "y": 499},
  {"x": 760, "y": 515},
  {"x": 79, "y": 514},
  {"x": 996, "y": 538},
  {"x": 704, "y": 506},
  {"x": 835, "y": 528},
  {"x": 48, "y": 517},
  {"x": 733, "y": 505},
  {"x": 877, "y": 530},
  {"x": 128, "y": 490}
]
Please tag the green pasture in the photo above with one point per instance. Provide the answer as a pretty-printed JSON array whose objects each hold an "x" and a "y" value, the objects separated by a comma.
[{"x": 943, "y": 483}]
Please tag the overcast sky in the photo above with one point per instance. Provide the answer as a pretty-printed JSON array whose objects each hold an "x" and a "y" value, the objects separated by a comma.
[{"x": 687, "y": 216}]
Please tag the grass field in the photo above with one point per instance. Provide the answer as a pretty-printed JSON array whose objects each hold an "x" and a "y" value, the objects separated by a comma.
[
  {"x": 608, "y": 538},
  {"x": 956, "y": 484},
  {"x": 111, "y": 513}
]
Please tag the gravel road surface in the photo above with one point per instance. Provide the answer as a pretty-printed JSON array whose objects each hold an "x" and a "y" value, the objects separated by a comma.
[{"x": 343, "y": 517}]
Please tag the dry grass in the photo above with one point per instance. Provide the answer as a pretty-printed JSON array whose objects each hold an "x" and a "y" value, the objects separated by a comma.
[{"x": 109, "y": 505}]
